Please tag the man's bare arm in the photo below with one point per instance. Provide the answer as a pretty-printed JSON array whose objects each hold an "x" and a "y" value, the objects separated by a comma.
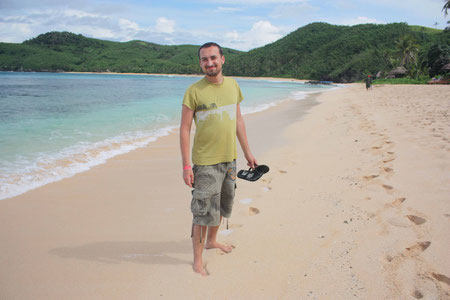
[
  {"x": 187, "y": 115},
  {"x": 242, "y": 137}
]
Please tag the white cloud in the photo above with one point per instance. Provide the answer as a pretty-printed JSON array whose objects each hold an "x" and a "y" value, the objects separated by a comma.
[
  {"x": 361, "y": 20},
  {"x": 261, "y": 33},
  {"x": 14, "y": 32},
  {"x": 16, "y": 29},
  {"x": 99, "y": 33},
  {"x": 164, "y": 25},
  {"x": 128, "y": 25},
  {"x": 79, "y": 14}
]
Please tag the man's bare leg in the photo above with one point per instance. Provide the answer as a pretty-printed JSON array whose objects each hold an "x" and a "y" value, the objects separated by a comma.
[
  {"x": 198, "y": 231},
  {"x": 211, "y": 241}
]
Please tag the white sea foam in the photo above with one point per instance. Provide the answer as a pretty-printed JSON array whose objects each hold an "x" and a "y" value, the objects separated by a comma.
[
  {"x": 258, "y": 108},
  {"x": 301, "y": 95},
  {"x": 296, "y": 95},
  {"x": 73, "y": 160}
]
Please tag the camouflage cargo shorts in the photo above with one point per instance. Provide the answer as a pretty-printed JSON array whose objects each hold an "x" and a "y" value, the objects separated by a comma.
[{"x": 213, "y": 194}]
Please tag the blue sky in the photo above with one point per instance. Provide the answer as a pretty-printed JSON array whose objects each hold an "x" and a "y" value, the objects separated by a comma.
[{"x": 238, "y": 24}]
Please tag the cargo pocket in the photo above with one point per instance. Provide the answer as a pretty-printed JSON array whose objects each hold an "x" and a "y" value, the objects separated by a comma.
[{"x": 199, "y": 204}]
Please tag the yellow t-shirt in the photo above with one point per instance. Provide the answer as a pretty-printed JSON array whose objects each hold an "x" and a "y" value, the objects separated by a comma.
[{"x": 215, "y": 118}]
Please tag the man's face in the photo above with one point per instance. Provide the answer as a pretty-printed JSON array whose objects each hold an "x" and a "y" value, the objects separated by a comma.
[{"x": 210, "y": 61}]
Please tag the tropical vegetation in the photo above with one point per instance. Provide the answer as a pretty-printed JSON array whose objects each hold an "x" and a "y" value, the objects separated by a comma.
[
  {"x": 345, "y": 53},
  {"x": 65, "y": 51},
  {"x": 317, "y": 51}
]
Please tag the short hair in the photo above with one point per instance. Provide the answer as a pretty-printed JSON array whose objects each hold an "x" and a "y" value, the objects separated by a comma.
[{"x": 210, "y": 44}]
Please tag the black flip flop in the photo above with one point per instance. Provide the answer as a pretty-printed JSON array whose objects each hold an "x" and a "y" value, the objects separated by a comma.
[{"x": 253, "y": 174}]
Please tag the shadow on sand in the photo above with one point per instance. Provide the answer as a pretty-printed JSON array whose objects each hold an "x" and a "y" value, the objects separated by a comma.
[{"x": 136, "y": 252}]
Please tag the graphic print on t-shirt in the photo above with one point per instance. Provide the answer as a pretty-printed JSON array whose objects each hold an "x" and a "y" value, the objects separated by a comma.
[{"x": 229, "y": 110}]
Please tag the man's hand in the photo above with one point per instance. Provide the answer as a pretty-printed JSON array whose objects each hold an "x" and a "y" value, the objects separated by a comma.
[
  {"x": 251, "y": 160},
  {"x": 188, "y": 177}
]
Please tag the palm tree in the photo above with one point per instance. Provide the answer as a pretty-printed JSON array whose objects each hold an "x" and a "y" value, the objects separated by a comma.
[
  {"x": 446, "y": 7},
  {"x": 407, "y": 48}
]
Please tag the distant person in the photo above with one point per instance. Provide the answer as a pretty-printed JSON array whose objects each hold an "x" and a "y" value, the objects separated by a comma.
[
  {"x": 368, "y": 82},
  {"x": 214, "y": 103}
]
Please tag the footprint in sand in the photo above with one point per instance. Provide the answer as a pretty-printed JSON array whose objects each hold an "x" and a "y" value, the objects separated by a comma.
[
  {"x": 253, "y": 211},
  {"x": 417, "y": 294},
  {"x": 416, "y": 220},
  {"x": 387, "y": 187},
  {"x": 370, "y": 177},
  {"x": 447, "y": 215},
  {"x": 376, "y": 147},
  {"x": 419, "y": 247},
  {"x": 388, "y": 160},
  {"x": 441, "y": 278},
  {"x": 268, "y": 180},
  {"x": 283, "y": 171},
  {"x": 398, "y": 201},
  {"x": 388, "y": 170}
]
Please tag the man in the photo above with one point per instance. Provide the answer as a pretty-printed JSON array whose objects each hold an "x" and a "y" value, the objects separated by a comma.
[
  {"x": 368, "y": 82},
  {"x": 214, "y": 103}
]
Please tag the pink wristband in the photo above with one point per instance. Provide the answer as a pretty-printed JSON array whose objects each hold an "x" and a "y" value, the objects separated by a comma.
[{"x": 187, "y": 167}]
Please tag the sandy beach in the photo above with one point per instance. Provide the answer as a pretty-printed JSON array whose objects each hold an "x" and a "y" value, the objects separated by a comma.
[{"x": 356, "y": 206}]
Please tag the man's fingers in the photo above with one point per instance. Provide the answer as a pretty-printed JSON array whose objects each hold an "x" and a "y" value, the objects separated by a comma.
[{"x": 188, "y": 177}]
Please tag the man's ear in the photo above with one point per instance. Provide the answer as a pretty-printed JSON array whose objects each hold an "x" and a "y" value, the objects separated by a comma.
[{"x": 223, "y": 59}]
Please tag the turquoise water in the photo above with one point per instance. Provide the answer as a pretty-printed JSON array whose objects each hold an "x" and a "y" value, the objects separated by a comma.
[{"x": 53, "y": 126}]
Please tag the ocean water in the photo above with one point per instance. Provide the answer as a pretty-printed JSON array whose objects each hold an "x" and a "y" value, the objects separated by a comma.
[{"x": 53, "y": 126}]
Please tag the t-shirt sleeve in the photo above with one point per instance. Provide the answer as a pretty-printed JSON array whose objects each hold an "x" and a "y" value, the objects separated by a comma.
[
  {"x": 189, "y": 99},
  {"x": 240, "y": 97}
]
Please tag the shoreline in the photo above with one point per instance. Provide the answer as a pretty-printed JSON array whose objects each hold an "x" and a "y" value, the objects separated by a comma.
[
  {"x": 169, "y": 74},
  {"x": 189, "y": 75},
  {"x": 88, "y": 165}
]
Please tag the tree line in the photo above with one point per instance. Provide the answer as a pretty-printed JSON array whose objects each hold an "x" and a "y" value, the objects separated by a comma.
[{"x": 317, "y": 51}]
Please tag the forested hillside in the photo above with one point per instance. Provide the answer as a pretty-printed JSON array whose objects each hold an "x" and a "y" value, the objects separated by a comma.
[
  {"x": 339, "y": 53},
  {"x": 317, "y": 51},
  {"x": 64, "y": 51}
]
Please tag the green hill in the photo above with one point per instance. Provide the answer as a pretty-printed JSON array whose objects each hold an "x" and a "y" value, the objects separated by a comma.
[
  {"x": 317, "y": 51},
  {"x": 64, "y": 51},
  {"x": 328, "y": 52}
]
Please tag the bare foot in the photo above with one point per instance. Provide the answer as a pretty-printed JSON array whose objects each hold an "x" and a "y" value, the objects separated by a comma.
[
  {"x": 224, "y": 248},
  {"x": 198, "y": 268}
]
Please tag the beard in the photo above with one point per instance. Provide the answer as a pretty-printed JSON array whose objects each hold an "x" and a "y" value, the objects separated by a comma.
[{"x": 213, "y": 72}]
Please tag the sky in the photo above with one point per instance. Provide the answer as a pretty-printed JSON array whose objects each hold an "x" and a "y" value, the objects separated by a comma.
[{"x": 237, "y": 24}]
